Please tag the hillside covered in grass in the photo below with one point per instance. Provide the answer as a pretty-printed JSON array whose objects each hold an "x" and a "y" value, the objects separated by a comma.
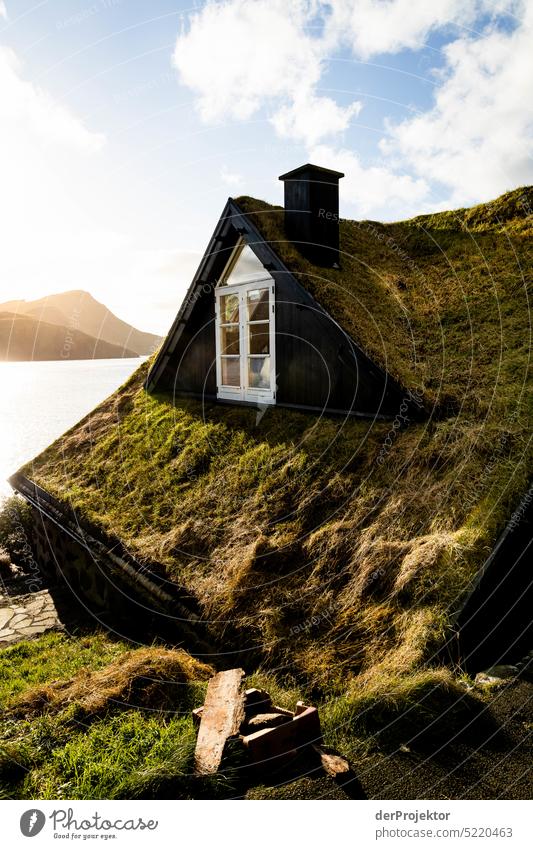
[
  {"x": 79, "y": 315},
  {"x": 337, "y": 551},
  {"x": 89, "y": 718}
]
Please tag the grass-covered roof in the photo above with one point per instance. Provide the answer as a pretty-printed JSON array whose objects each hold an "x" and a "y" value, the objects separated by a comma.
[
  {"x": 441, "y": 301},
  {"x": 338, "y": 549}
]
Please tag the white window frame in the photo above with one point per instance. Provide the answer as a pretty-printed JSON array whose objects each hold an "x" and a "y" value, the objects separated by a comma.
[{"x": 243, "y": 392}]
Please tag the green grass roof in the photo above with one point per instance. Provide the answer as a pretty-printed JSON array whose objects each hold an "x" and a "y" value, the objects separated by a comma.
[{"x": 338, "y": 548}]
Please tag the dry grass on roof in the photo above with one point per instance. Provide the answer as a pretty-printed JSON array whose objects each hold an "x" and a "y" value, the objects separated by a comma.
[{"x": 293, "y": 521}]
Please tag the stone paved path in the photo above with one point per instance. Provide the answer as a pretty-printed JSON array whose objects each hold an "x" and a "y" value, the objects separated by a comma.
[{"x": 25, "y": 616}]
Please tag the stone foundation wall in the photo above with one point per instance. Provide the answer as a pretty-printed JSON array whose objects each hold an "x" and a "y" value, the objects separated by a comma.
[
  {"x": 64, "y": 560},
  {"x": 108, "y": 584}
]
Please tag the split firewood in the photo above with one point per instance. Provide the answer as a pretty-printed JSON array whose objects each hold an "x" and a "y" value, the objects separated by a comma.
[
  {"x": 257, "y": 701},
  {"x": 283, "y": 711},
  {"x": 197, "y": 716}
]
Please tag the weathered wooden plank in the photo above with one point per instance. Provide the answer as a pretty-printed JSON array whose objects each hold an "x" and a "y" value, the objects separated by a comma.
[
  {"x": 284, "y": 711},
  {"x": 222, "y": 715}
]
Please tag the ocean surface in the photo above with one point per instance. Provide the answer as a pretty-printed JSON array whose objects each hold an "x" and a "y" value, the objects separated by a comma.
[{"x": 40, "y": 400}]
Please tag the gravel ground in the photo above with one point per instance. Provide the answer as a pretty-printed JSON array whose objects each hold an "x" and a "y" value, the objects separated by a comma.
[
  {"x": 492, "y": 761},
  {"x": 490, "y": 758}
]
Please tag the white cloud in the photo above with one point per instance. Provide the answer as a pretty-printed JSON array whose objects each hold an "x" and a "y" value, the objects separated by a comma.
[
  {"x": 44, "y": 149},
  {"x": 476, "y": 139},
  {"x": 371, "y": 27},
  {"x": 239, "y": 55},
  {"x": 3, "y": 10},
  {"x": 67, "y": 218},
  {"x": 376, "y": 189},
  {"x": 41, "y": 146},
  {"x": 231, "y": 178},
  {"x": 29, "y": 111},
  {"x": 311, "y": 118}
]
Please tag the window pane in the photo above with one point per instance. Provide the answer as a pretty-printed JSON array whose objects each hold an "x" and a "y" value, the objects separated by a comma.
[
  {"x": 259, "y": 338},
  {"x": 246, "y": 269},
  {"x": 259, "y": 372},
  {"x": 258, "y": 305},
  {"x": 229, "y": 339},
  {"x": 231, "y": 371},
  {"x": 229, "y": 308}
]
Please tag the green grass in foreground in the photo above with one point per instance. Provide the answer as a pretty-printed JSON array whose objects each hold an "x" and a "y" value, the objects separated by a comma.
[
  {"x": 129, "y": 744},
  {"x": 50, "y": 657},
  {"x": 119, "y": 757},
  {"x": 88, "y": 718}
]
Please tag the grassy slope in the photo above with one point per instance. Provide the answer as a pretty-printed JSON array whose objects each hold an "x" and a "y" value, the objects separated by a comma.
[
  {"x": 77, "y": 308},
  {"x": 116, "y": 724},
  {"x": 339, "y": 548}
]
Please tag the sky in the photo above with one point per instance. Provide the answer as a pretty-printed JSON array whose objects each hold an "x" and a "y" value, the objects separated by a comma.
[{"x": 125, "y": 125}]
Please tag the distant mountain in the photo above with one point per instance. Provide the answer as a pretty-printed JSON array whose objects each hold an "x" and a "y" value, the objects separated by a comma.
[
  {"x": 79, "y": 311},
  {"x": 23, "y": 337}
]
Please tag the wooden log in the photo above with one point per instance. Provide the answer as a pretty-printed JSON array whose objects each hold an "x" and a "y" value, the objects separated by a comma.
[{"x": 222, "y": 715}]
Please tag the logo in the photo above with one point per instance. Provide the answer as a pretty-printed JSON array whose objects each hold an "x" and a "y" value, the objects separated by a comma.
[{"x": 32, "y": 822}]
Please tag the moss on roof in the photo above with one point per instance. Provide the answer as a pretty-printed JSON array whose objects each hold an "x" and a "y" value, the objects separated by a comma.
[{"x": 338, "y": 549}]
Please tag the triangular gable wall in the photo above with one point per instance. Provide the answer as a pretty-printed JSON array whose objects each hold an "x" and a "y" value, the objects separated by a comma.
[{"x": 367, "y": 389}]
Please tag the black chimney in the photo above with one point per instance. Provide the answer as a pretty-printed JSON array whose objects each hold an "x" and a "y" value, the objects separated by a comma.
[{"x": 312, "y": 212}]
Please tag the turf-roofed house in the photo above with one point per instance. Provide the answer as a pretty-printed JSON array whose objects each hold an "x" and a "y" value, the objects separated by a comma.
[{"x": 325, "y": 468}]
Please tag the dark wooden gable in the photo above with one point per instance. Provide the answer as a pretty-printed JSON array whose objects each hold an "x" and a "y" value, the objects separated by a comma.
[{"x": 319, "y": 367}]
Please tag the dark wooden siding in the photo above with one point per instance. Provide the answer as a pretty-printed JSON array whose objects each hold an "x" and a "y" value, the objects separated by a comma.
[
  {"x": 318, "y": 365},
  {"x": 192, "y": 367},
  {"x": 495, "y": 624}
]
